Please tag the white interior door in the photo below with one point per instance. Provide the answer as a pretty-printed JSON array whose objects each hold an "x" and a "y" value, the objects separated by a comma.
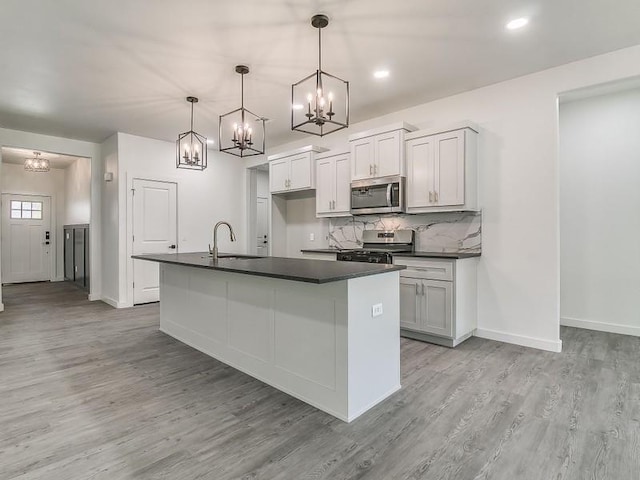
[
  {"x": 154, "y": 231},
  {"x": 27, "y": 240},
  {"x": 262, "y": 226}
]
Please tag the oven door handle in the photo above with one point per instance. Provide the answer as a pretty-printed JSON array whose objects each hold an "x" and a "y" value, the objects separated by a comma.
[{"x": 389, "y": 187}]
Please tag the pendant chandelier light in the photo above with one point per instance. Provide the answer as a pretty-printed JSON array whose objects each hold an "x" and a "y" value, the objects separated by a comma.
[
  {"x": 191, "y": 147},
  {"x": 320, "y": 102},
  {"x": 36, "y": 164},
  {"x": 241, "y": 132}
]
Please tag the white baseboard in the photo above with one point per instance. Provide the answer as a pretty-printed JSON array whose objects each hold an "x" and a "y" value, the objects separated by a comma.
[
  {"x": 112, "y": 302},
  {"x": 1, "y": 307},
  {"x": 58, "y": 279},
  {"x": 539, "y": 343},
  {"x": 600, "y": 326},
  {"x": 94, "y": 296}
]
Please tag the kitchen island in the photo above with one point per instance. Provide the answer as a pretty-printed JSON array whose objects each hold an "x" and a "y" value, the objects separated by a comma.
[{"x": 324, "y": 332}]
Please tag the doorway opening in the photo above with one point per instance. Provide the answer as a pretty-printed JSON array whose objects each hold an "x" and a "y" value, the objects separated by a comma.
[
  {"x": 599, "y": 203},
  {"x": 258, "y": 211},
  {"x": 38, "y": 207}
]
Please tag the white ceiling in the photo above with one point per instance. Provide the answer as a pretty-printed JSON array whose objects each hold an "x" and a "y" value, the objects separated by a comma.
[
  {"x": 85, "y": 69},
  {"x": 17, "y": 156}
]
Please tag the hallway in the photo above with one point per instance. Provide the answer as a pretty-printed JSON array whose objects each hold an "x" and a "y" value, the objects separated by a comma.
[{"x": 88, "y": 391}]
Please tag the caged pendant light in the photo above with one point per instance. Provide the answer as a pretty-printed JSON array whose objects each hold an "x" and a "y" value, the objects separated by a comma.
[
  {"x": 241, "y": 132},
  {"x": 320, "y": 102},
  {"x": 191, "y": 147}
]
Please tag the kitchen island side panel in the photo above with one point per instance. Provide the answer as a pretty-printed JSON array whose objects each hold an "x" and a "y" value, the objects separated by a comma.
[
  {"x": 291, "y": 335},
  {"x": 374, "y": 341}
]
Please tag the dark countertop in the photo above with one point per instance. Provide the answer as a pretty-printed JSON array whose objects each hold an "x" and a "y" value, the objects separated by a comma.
[
  {"x": 296, "y": 269},
  {"x": 455, "y": 255},
  {"x": 324, "y": 250}
]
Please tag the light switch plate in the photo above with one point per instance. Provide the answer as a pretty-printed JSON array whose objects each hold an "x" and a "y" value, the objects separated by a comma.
[
  {"x": 376, "y": 310},
  {"x": 312, "y": 237}
]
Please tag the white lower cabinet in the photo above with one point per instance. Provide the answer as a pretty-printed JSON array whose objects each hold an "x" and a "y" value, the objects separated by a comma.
[{"x": 438, "y": 299}]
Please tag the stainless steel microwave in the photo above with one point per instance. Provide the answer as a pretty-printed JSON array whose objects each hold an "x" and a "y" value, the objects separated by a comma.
[{"x": 378, "y": 195}]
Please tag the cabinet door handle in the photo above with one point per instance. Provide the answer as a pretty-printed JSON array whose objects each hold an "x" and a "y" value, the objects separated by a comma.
[
  {"x": 375, "y": 169},
  {"x": 417, "y": 290},
  {"x": 435, "y": 194},
  {"x": 370, "y": 169},
  {"x": 334, "y": 204},
  {"x": 430, "y": 196},
  {"x": 423, "y": 291}
]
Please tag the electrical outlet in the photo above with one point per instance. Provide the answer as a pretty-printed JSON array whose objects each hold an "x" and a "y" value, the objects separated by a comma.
[
  {"x": 312, "y": 237},
  {"x": 376, "y": 310}
]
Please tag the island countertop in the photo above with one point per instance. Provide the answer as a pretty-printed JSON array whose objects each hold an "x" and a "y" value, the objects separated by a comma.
[{"x": 296, "y": 269}]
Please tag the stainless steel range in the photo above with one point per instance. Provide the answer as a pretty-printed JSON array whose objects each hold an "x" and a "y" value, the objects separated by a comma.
[{"x": 379, "y": 246}]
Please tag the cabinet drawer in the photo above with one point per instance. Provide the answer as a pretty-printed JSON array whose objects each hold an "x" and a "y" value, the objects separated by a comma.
[{"x": 428, "y": 269}]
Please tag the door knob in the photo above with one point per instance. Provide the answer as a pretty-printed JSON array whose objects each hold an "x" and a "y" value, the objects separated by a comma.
[{"x": 172, "y": 247}]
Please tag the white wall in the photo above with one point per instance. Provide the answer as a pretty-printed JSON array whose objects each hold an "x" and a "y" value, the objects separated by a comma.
[
  {"x": 110, "y": 221},
  {"x": 600, "y": 212},
  {"x": 518, "y": 276},
  {"x": 217, "y": 193},
  {"x": 301, "y": 223},
  {"x": 14, "y": 179},
  {"x": 77, "y": 186},
  {"x": 35, "y": 141}
]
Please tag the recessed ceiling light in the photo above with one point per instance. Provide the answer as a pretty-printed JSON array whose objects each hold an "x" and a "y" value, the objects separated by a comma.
[
  {"x": 517, "y": 23},
  {"x": 297, "y": 106},
  {"x": 381, "y": 73}
]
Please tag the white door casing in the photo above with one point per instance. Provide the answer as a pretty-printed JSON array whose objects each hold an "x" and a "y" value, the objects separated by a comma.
[
  {"x": 26, "y": 253},
  {"x": 154, "y": 231},
  {"x": 262, "y": 226}
]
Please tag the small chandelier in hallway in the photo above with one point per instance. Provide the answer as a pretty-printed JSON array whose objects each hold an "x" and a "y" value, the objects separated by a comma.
[{"x": 37, "y": 164}]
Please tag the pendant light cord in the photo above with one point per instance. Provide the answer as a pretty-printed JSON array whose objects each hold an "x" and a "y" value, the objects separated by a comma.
[
  {"x": 192, "y": 116},
  {"x": 319, "y": 48}
]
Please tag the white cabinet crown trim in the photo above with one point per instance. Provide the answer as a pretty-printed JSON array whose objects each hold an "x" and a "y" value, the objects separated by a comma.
[
  {"x": 297, "y": 151},
  {"x": 435, "y": 131},
  {"x": 381, "y": 130}
]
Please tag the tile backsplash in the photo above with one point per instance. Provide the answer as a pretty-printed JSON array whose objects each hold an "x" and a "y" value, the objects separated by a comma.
[{"x": 435, "y": 232}]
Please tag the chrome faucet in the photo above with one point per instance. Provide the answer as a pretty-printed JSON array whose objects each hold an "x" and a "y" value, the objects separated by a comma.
[{"x": 232, "y": 236}]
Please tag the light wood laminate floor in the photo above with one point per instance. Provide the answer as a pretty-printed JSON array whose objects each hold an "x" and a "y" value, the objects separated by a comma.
[{"x": 90, "y": 392}]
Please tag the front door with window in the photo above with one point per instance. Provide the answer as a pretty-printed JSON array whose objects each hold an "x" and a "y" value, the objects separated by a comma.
[{"x": 27, "y": 240}]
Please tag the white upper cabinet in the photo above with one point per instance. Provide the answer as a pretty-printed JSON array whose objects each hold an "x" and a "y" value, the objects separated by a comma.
[
  {"x": 333, "y": 189},
  {"x": 379, "y": 152},
  {"x": 279, "y": 175},
  {"x": 293, "y": 171},
  {"x": 442, "y": 171}
]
